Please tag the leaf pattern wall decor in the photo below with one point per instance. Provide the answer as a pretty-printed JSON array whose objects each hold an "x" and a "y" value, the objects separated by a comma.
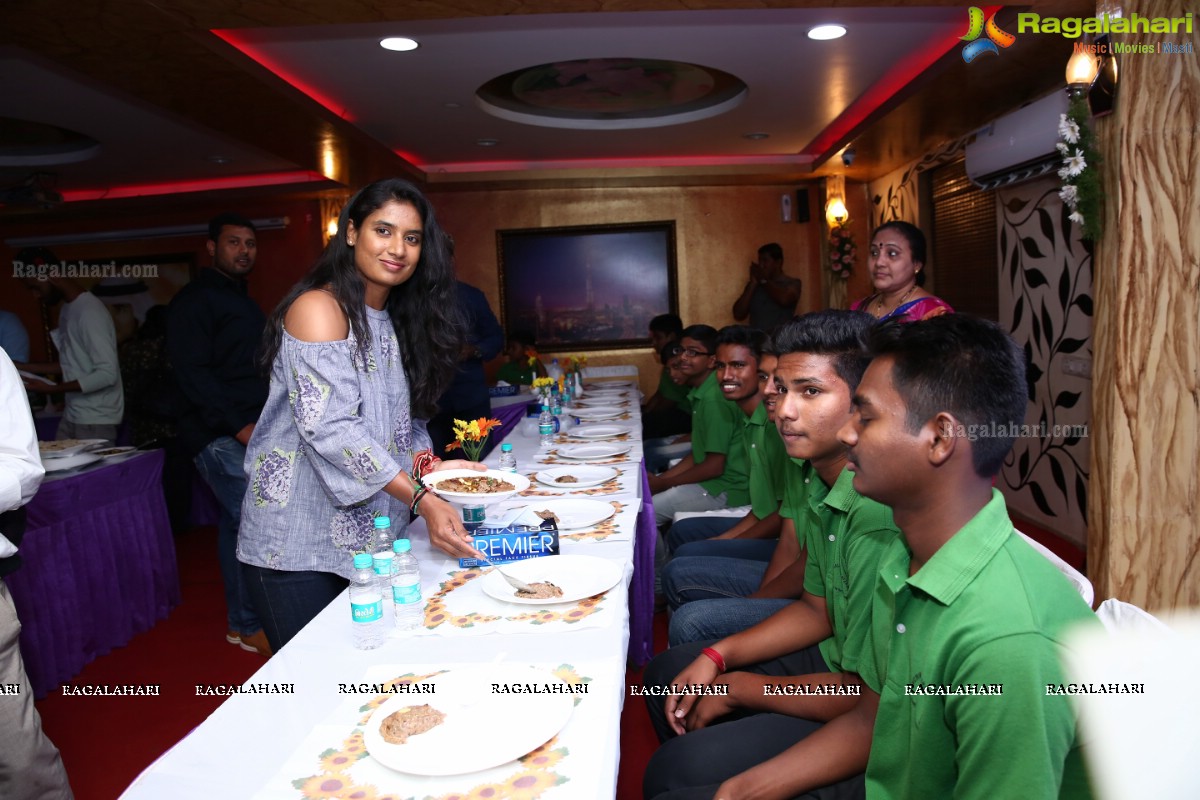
[
  {"x": 1046, "y": 303},
  {"x": 894, "y": 196}
]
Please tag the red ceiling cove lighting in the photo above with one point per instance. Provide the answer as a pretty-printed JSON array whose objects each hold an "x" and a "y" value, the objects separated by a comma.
[
  {"x": 899, "y": 76},
  {"x": 231, "y": 38},
  {"x": 198, "y": 185}
]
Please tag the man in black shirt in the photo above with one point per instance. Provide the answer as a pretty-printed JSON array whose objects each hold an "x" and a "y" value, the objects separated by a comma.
[{"x": 213, "y": 335}]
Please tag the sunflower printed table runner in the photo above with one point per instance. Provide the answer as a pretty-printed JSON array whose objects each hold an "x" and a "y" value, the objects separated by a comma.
[{"x": 333, "y": 760}]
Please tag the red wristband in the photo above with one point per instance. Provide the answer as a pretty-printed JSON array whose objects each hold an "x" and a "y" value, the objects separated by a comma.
[{"x": 716, "y": 658}]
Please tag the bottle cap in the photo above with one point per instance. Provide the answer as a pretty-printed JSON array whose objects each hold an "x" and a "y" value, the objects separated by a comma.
[
  {"x": 401, "y": 546},
  {"x": 362, "y": 560},
  {"x": 383, "y": 522},
  {"x": 506, "y": 448}
]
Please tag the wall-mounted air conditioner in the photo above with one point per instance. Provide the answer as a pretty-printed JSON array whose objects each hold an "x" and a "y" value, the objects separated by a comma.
[{"x": 1018, "y": 146}]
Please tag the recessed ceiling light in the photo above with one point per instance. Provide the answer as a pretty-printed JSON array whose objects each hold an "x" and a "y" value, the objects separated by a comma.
[
  {"x": 451, "y": 105},
  {"x": 219, "y": 159},
  {"x": 825, "y": 32},
  {"x": 398, "y": 43},
  {"x": 756, "y": 136},
  {"x": 487, "y": 142}
]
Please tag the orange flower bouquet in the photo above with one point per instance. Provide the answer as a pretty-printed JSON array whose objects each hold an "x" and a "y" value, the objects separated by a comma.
[{"x": 472, "y": 436}]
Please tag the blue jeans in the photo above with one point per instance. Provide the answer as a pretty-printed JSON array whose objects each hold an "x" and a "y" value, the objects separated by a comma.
[
  {"x": 716, "y": 619},
  {"x": 707, "y": 584},
  {"x": 697, "y": 529},
  {"x": 753, "y": 549},
  {"x": 220, "y": 464},
  {"x": 287, "y": 601}
]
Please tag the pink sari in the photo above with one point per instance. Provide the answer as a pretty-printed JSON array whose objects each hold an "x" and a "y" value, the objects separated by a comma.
[{"x": 912, "y": 311}]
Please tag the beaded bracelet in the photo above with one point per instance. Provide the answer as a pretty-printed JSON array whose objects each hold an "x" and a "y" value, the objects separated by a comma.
[
  {"x": 418, "y": 495},
  {"x": 716, "y": 658}
]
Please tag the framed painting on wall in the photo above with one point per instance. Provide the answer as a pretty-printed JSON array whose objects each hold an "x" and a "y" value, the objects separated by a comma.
[{"x": 587, "y": 287}]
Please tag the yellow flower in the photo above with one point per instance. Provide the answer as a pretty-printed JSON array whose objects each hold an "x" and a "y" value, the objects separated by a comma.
[
  {"x": 338, "y": 760},
  {"x": 367, "y": 792},
  {"x": 530, "y": 784},
  {"x": 542, "y": 758},
  {"x": 486, "y": 791},
  {"x": 327, "y": 786}
]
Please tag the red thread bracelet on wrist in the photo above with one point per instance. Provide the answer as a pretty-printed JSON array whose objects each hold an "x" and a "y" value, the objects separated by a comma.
[{"x": 716, "y": 658}]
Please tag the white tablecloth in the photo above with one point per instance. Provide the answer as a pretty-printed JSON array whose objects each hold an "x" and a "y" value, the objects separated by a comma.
[{"x": 276, "y": 745}]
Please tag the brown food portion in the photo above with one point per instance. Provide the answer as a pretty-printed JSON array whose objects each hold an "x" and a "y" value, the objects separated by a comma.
[
  {"x": 61, "y": 444},
  {"x": 543, "y": 590},
  {"x": 567, "y": 479},
  {"x": 548, "y": 515},
  {"x": 475, "y": 485},
  {"x": 410, "y": 721}
]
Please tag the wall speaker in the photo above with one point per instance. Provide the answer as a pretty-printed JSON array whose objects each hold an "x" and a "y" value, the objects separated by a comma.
[{"x": 802, "y": 214}]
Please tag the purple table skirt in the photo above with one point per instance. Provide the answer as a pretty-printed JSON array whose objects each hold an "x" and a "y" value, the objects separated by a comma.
[
  {"x": 641, "y": 588},
  {"x": 98, "y": 567}
]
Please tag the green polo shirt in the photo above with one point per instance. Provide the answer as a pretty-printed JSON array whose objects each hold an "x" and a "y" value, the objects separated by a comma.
[
  {"x": 844, "y": 549},
  {"x": 767, "y": 459},
  {"x": 717, "y": 428},
  {"x": 799, "y": 479},
  {"x": 675, "y": 392},
  {"x": 518, "y": 374},
  {"x": 986, "y": 610}
]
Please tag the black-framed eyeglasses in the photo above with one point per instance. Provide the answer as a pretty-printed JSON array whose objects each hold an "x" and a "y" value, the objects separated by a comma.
[{"x": 690, "y": 352}]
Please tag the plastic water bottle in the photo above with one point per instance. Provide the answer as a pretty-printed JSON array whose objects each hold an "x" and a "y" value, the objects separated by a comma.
[
  {"x": 545, "y": 428},
  {"x": 382, "y": 559},
  {"x": 366, "y": 605},
  {"x": 554, "y": 370},
  {"x": 406, "y": 587},
  {"x": 508, "y": 461}
]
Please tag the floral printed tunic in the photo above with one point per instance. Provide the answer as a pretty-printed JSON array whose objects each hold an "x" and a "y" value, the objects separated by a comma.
[{"x": 335, "y": 430}]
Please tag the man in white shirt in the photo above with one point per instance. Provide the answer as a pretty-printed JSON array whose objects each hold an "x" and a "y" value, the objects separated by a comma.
[
  {"x": 86, "y": 340},
  {"x": 30, "y": 767}
]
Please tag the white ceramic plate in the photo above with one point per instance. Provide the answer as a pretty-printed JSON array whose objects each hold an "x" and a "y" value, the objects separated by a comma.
[
  {"x": 519, "y": 482},
  {"x": 595, "y": 412},
  {"x": 594, "y": 451},
  {"x": 598, "y": 431},
  {"x": 602, "y": 385},
  {"x": 607, "y": 401},
  {"x": 65, "y": 463},
  {"x": 114, "y": 453},
  {"x": 585, "y": 476},
  {"x": 575, "y": 514},
  {"x": 578, "y": 576},
  {"x": 481, "y": 729},
  {"x": 67, "y": 447}
]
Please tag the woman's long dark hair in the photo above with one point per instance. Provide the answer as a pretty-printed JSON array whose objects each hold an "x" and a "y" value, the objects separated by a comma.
[{"x": 424, "y": 309}]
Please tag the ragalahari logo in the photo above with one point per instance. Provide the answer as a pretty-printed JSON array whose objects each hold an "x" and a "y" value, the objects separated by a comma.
[{"x": 996, "y": 38}]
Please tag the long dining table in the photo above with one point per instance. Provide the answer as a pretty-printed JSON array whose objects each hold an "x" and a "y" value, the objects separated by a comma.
[{"x": 299, "y": 727}]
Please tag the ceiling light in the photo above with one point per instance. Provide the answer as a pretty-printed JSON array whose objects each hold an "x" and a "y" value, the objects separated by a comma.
[
  {"x": 451, "y": 105},
  {"x": 757, "y": 136},
  {"x": 825, "y": 32},
  {"x": 219, "y": 159},
  {"x": 398, "y": 43},
  {"x": 487, "y": 142}
]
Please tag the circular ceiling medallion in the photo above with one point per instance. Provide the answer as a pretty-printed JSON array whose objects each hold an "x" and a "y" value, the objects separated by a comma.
[
  {"x": 611, "y": 94},
  {"x": 35, "y": 144}
]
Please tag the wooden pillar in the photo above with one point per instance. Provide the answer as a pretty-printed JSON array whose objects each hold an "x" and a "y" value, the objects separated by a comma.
[{"x": 1144, "y": 504}]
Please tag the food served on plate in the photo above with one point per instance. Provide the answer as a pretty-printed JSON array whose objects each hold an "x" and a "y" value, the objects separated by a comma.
[
  {"x": 548, "y": 515},
  {"x": 410, "y": 721},
  {"x": 482, "y": 484},
  {"x": 61, "y": 444},
  {"x": 542, "y": 590},
  {"x": 566, "y": 479}
]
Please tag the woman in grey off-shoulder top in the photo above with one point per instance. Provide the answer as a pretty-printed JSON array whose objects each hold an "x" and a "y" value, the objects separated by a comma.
[{"x": 358, "y": 350}]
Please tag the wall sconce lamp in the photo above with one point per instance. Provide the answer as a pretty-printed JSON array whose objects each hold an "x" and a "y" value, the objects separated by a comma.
[
  {"x": 1092, "y": 73},
  {"x": 836, "y": 213}
]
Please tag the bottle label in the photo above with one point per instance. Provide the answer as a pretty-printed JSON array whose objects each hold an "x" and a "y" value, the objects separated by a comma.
[
  {"x": 367, "y": 612},
  {"x": 383, "y": 564},
  {"x": 406, "y": 595},
  {"x": 546, "y": 428}
]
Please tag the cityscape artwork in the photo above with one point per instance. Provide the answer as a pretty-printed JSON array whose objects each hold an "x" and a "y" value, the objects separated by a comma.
[{"x": 587, "y": 287}]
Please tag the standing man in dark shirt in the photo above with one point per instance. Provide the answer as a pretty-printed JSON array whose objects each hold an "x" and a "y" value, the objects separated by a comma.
[
  {"x": 467, "y": 398},
  {"x": 213, "y": 334},
  {"x": 770, "y": 296}
]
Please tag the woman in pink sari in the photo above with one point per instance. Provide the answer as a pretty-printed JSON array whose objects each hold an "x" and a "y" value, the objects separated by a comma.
[{"x": 897, "y": 264}]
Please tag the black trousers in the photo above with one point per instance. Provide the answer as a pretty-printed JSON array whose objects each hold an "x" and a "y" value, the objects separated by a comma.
[{"x": 691, "y": 767}]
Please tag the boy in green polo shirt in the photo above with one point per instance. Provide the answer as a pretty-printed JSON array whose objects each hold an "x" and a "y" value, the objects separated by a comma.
[
  {"x": 967, "y": 619},
  {"x": 739, "y": 356},
  {"x": 820, "y": 635},
  {"x": 715, "y": 474}
]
